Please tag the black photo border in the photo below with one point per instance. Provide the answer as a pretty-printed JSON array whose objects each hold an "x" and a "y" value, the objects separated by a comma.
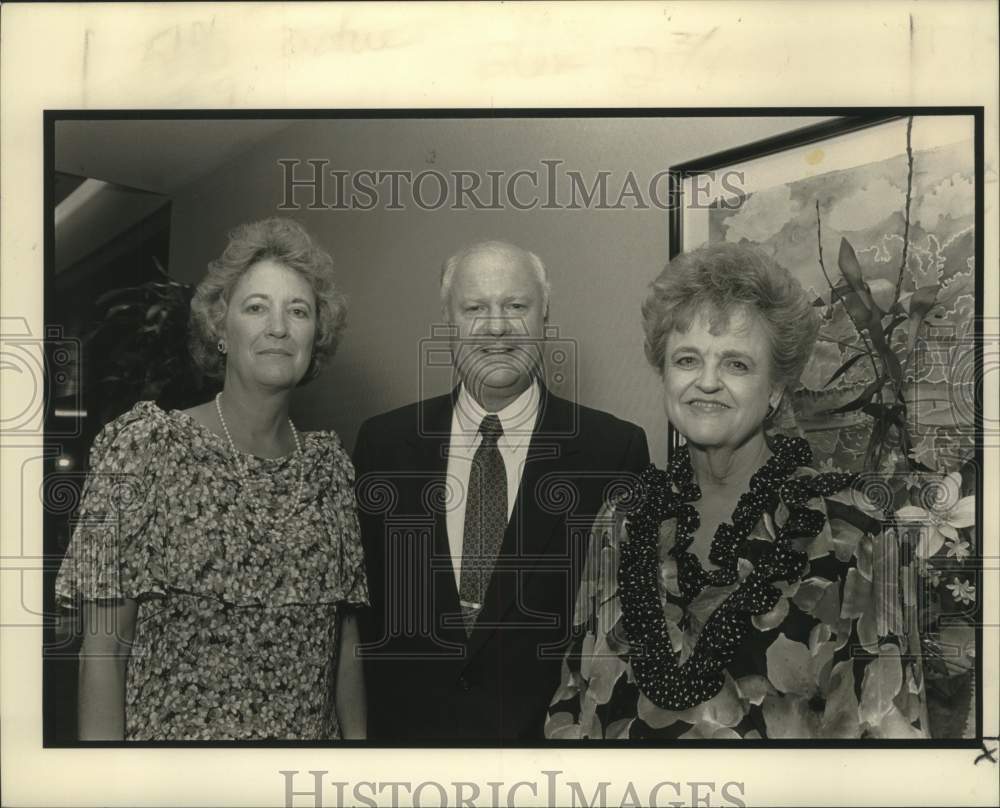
[{"x": 848, "y": 119}]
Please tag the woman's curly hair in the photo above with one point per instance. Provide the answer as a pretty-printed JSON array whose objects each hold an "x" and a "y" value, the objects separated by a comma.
[
  {"x": 720, "y": 279},
  {"x": 287, "y": 243}
]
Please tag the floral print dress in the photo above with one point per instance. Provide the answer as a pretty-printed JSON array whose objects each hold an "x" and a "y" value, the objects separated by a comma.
[
  {"x": 237, "y": 625},
  {"x": 802, "y": 631}
]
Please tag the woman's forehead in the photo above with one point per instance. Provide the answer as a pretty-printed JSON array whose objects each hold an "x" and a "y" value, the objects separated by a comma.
[
  {"x": 738, "y": 322},
  {"x": 270, "y": 276}
]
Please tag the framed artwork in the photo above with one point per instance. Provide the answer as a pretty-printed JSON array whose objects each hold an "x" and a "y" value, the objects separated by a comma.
[{"x": 879, "y": 218}]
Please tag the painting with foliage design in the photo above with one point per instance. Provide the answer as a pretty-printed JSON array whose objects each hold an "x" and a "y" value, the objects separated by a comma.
[{"x": 878, "y": 223}]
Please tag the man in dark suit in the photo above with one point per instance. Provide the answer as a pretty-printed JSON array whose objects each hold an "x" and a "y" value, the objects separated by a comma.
[{"x": 475, "y": 509}]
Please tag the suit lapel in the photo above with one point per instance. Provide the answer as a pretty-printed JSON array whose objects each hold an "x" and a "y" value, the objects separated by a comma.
[
  {"x": 532, "y": 525},
  {"x": 430, "y": 444}
]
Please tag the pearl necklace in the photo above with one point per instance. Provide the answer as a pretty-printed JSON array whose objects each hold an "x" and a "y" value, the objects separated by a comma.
[{"x": 244, "y": 474}]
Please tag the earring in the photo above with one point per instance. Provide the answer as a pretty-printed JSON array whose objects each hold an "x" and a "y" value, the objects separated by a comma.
[
  {"x": 770, "y": 410},
  {"x": 221, "y": 345}
]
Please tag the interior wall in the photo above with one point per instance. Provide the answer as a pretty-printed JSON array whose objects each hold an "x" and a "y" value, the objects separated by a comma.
[{"x": 599, "y": 261}]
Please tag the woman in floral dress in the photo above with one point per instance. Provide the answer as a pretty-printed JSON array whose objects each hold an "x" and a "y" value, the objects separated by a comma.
[
  {"x": 738, "y": 593},
  {"x": 217, "y": 556}
]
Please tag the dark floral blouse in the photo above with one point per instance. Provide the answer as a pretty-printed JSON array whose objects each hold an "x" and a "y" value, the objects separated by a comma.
[
  {"x": 815, "y": 639},
  {"x": 236, "y": 631}
]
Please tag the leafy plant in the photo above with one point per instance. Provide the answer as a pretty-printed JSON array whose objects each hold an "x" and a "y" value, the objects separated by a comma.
[
  {"x": 931, "y": 510},
  {"x": 137, "y": 349}
]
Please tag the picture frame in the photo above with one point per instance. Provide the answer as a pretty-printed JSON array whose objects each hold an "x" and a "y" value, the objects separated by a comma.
[{"x": 879, "y": 216}]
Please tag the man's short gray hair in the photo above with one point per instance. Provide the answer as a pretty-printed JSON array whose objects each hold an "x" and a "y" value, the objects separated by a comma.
[{"x": 448, "y": 267}]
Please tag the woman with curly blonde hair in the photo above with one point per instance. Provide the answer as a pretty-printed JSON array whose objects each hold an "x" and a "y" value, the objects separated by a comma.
[
  {"x": 737, "y": 593},
  {"x": 217, "y": 557}
]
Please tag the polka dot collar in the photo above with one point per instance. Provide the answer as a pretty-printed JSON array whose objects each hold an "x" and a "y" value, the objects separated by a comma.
[{"x": 664, "y": 495}]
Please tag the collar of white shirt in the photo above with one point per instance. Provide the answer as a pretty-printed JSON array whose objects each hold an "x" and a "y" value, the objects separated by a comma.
[{"x": 517, "y": 418}]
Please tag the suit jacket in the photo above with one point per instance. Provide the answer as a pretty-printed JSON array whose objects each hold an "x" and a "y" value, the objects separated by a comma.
[{"x": 426, "y": 679}]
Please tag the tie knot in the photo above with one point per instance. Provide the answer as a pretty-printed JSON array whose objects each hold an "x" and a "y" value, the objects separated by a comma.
[{"x": 491, "y": 429}]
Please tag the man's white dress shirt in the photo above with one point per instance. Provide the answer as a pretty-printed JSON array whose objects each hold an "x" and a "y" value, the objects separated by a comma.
[{"x": 518, "y": 421}]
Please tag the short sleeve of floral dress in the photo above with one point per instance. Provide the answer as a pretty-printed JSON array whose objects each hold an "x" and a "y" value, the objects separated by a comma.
[
  {"x": 802, "y": 631},
  {"x": 239, "y": 582}
]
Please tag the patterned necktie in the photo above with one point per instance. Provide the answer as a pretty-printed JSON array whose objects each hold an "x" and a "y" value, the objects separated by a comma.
[{"x": 485, "y": 520}]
